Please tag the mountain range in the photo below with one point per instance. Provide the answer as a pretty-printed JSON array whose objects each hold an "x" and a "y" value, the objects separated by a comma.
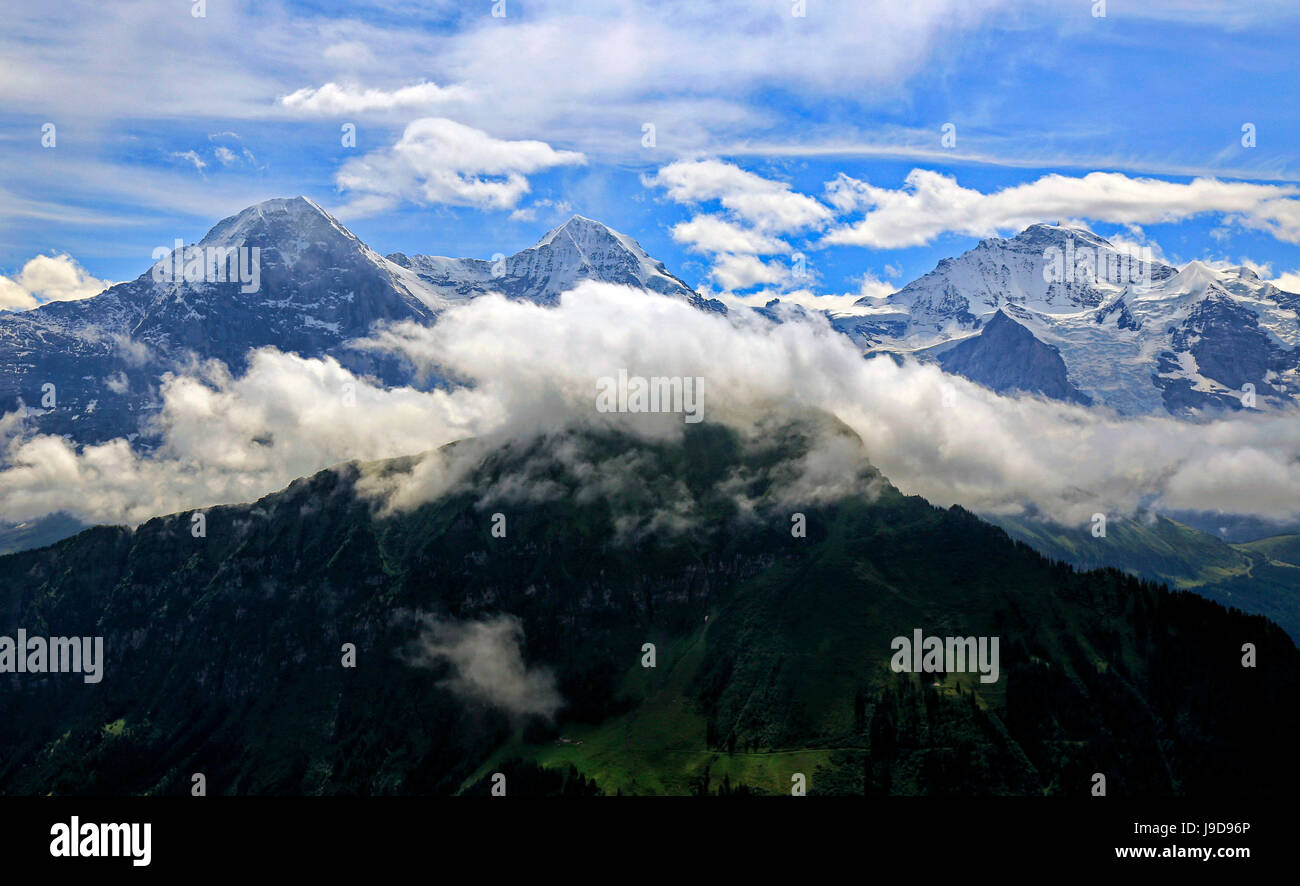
[
  {"x": 578, "y": 250},
  {"x": 1165, "y": 339},
  {"x": 1138, "y": 337},
  {"x": 1187, "y": 341},
  {"x": 774, "y": 649},
  {"x": 320, "y": 288},
  {"x": 772, "y": 652}
]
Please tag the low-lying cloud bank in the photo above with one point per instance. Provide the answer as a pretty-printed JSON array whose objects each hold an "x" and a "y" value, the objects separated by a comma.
[{"x": 519, "y": 369}]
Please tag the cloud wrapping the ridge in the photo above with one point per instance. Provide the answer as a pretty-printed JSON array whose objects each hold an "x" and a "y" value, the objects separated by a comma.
[
  {"x": 531, "y": 369},
  {"x": 1288, "y": 282},
  {"x": 869, "y": 286},
  {"x": 48, "y": 278},
  {"x": 229, "y": 440},
  {"x": 932, "y": 434},
  {"x": 437, "y": 160}
]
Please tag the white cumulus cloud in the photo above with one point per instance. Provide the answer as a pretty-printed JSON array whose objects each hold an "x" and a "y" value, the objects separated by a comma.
[
  {"x": 437, "y": 160},
  {"x": 768, "y": 205},
  {"x": 47, "y": 278},
  {"x": 756, "y": 213}
]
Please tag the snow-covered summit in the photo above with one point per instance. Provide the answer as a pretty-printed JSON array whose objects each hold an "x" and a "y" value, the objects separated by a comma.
[
  {"x": 277, "y": 219},
  {"x": 1134, "y": 333},
  {"x": 312, "y": 288},
  {"x": 580, "y": 249},
  {"x": 1052, "y": 269}
]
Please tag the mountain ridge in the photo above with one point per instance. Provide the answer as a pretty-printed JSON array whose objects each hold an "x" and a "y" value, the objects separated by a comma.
[
  {"x": 320, "y": 288},
  {"x": 579, "y": 249},
  {"x": 223, "y": 652}
]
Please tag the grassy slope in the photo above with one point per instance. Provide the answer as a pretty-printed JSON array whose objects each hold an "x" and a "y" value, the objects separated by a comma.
[
  {"x": 1283, "y": 550},
  {"x": 658, "y": 748}
]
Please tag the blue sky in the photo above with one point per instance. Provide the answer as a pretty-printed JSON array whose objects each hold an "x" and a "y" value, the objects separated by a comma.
[{"x": 476, "y": 133}]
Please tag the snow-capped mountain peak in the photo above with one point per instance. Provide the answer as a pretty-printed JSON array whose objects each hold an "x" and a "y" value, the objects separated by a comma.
[
  {"x": 1133, "y": 333},
  {"x": 1195, "y": 278},
  {"x": 283, "y": 273},
  {"x": 581, "y": 230},
  {"x": 593, "y": 250},
  {"x": 580, "y": 249},
  {"x": 1051, "y": 269},
  {"x": 278, "y": 223},
  {"x": 1044, "y": 234}
]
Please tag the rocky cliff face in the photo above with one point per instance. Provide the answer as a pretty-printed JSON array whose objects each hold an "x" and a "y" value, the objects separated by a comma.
[{"x": 1006, "y": 357}]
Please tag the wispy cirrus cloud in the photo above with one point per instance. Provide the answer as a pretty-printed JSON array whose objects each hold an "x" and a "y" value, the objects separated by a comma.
[
  {"x": 192, "y": 158},
  {"x": 333, "y": 99},
  {"x": 931, "y": 203}
]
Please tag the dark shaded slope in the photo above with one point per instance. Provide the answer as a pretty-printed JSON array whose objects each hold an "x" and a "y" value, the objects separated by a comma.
[
  {"x": 1007, "y": 358},
  {"x": 224, "y": 652}
]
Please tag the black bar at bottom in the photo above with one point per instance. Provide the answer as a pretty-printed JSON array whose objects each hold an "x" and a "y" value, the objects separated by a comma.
[{"x": 334, "y": 835}]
